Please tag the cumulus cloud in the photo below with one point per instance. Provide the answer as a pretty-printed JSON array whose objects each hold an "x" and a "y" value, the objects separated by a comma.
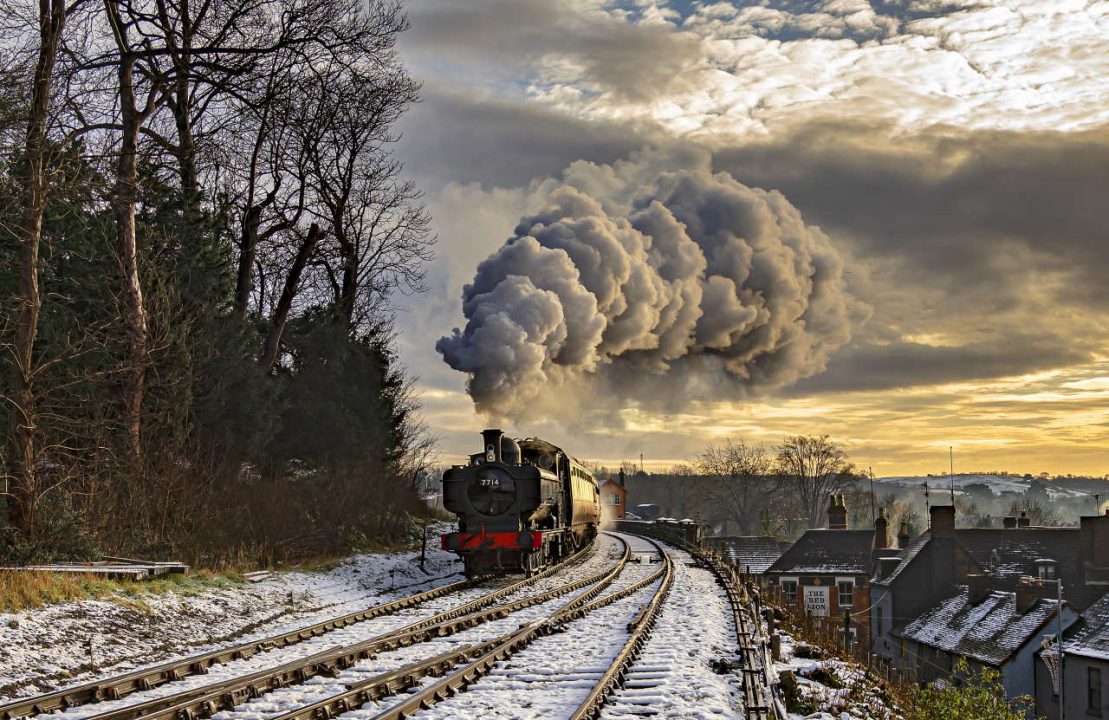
[{"x": 630, "y": 272}]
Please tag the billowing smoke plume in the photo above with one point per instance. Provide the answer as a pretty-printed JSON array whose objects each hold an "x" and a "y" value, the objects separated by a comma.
[{"x": 633, "y": 279}]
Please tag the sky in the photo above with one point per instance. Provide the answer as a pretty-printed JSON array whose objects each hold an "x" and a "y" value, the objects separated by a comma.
[{"x": 663, "y": 225}]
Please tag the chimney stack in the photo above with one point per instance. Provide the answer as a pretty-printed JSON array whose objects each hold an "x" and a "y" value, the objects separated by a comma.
[
  {"x": 903, "y": 535},
  {"x": 1024, "y": 521},
  {"x": 837, "y": 513},
  {"x": 1009, "y": 522},
  {"x": 881, "y": 530},
  {"x": 943, "y": 521},
  {"x": 978, "y": 587},
  {"x": 1095, "y": 547},
  {"x": 1029, "y": 590}
]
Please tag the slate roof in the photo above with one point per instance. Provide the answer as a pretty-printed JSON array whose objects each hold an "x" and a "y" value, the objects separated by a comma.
[
  {"x": 989, "y": 631},
  {"x": 1018, "y": 549},
  {"x": 828, "y": 552},
  {"x": 1092, "y": 638},
  {"x": 751, "y": 553},
  {"x": 907, "y": 555}
]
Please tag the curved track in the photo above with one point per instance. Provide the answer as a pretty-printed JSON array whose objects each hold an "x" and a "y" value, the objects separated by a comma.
[
  {"x": 619, "y": 646},
  {"x": 111, "y": 694}
]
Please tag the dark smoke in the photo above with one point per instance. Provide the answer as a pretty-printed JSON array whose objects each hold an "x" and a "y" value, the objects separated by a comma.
[{"x": 636, "y": 277}]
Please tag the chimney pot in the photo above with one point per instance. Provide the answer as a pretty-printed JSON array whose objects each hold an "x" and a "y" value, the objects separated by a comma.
[
  {"x": 903, "y": 535},
  {"x": 837, "y": 513}
]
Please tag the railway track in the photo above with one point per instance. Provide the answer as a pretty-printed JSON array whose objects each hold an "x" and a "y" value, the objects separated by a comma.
[
  {"x": 529, "y": 677},
  {"x": 118, "y": 687},
  {"x": 558, "y": 657}
]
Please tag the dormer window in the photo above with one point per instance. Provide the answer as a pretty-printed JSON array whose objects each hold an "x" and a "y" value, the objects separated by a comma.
[{"x": 1045, "y": 569}]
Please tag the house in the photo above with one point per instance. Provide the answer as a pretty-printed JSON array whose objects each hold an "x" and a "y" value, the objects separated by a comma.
[
  {"x": 986, "y": 595},
  {"x": 826, "y": 573},
  {"x": 614, "y": 498},
  {"x": 1086, "y": 645},
  {"x": 986, "y": 628}
]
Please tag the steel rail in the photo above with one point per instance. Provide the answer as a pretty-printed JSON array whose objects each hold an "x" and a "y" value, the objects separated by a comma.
[
  {"x": 490, "y": 654},
  {"x": 120, "y": 686},
  {"x": 639, "y": 630},
  {"x": 205, "y": 701},
  {"x": 405, "y": 678}
]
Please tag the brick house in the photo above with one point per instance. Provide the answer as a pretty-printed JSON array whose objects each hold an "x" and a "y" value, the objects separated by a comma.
[{"x": 826, "y": 572}]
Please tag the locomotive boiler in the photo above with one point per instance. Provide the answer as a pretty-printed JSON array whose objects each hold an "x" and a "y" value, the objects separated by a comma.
[{"x": 521, "y": 504}]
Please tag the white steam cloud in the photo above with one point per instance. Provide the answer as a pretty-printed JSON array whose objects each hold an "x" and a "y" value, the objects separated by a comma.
[{"x": 636, "y": 278}]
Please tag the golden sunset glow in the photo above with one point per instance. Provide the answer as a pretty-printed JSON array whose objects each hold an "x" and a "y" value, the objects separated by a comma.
[{"x": 953, "y": 161}]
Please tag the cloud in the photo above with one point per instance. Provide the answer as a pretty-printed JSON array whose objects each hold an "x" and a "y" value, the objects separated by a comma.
[
  {"x": 644, "y": 267},
  {"x": 977, "y": 236},
  {"x": 579, "y": 47},
  {"x": 456, "y": 137}
]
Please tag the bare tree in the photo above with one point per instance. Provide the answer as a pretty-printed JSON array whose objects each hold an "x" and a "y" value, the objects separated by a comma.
[
  {"x": 814, "y": 467},
  {"x": 288, "y": 293},
  {"x": 34, "y": 189},
  {"x": 379, "y": 226},
  {"x": 737, "y": 478}
]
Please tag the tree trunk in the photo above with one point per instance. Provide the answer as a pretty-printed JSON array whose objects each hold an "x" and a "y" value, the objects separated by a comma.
[
  {"x": 288, "y": 293},
  {"x": 124, "y": 199},
  {"x": 349, "y": 288},
  {"x": 24, "y": 453},
  {"x": 248, "y": 244}
]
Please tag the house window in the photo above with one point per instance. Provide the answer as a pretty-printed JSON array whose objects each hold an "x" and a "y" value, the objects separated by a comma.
[
  {"x": 878, "y": 611},
  {"x": 1047, "y": 571},
  {"x": 1093, "y": 691},
  {"x": 789, "y": 590},
  {"x": 615, "y": 498},
  {"x": 846, "y": 590}
]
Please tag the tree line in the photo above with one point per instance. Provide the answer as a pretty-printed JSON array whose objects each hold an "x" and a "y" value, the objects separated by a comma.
[
  {"x": 742, "y": 488},
  {"x": 206, "y": 227}
]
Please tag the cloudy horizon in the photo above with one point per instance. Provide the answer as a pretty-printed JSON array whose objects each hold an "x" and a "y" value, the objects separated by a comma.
[{"x": 948, "y": 158}]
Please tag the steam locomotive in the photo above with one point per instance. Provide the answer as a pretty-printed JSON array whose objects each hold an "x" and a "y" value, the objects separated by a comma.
[{"x": 521, "y": 504}]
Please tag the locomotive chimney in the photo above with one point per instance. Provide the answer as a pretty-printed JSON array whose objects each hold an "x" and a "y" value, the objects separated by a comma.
[{"x": 492, "y": 439}]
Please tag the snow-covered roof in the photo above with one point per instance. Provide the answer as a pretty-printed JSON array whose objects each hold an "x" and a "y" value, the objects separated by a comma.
[
  {"x": 750, "y": 553},
  {"x": 1010, "y": 553},
  {"x": 828, "y": 552},
  {"x": 989, "y": 631},
  {"x": 1092, "y": 638}
]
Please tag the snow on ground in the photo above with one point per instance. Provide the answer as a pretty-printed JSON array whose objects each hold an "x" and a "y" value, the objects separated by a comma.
[
  {"x": 830, "y": 689},
  {"x": 318, "y": 688},
  {"x": 548, "y": 679},
  {"x": 673, "y": 674},
  {"x": 73, "y": 643}
]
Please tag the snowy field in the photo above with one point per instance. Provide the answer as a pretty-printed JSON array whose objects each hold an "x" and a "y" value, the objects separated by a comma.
[
  {"x": 73, "y": 643},
  {"x": 673, "y": 676}
]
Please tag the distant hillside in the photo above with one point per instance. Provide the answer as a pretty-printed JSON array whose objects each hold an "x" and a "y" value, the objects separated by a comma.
[{"x": 1057, "y": 488}]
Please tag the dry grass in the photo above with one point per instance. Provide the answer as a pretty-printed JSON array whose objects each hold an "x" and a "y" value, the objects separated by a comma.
[{"x": 27, "y": 590}]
